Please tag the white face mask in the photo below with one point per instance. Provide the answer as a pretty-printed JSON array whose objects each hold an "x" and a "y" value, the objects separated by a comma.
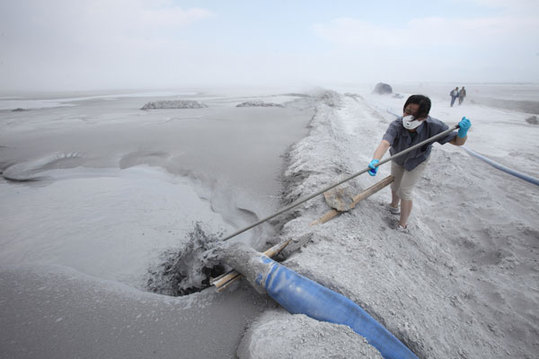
[{"x": 409, "y": 122}]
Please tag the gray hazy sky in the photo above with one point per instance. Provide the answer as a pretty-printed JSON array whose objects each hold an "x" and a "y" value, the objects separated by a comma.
[{"x": 122, "y": 44}]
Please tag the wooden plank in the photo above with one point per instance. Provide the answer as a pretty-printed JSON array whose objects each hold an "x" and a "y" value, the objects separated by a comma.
[{"x": 372, "y": 190}]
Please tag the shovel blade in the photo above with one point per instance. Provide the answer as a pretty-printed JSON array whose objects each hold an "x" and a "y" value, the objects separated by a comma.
[{"x": 340, "y": 198}]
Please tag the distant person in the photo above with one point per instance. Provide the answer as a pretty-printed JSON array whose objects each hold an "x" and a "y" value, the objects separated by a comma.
[
  {"x": 413, "y": 127},
  {"x": 454, "y": 94},
  {"x": 462, "y": 95}
]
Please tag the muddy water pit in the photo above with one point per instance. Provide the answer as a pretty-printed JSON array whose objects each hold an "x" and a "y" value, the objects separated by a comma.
[{"x": 188, "y": 269}]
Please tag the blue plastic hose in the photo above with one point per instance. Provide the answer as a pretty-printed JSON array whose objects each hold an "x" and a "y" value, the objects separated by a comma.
[{"x": 300, "y": 295}]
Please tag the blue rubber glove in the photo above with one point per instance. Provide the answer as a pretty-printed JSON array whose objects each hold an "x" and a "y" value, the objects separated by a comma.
[
  {"x": 464, "y": 126},
  {"x": 373, "y": 168}
]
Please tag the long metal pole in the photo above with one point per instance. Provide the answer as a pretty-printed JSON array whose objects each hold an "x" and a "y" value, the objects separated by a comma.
[{"x": 307, "y": 198}]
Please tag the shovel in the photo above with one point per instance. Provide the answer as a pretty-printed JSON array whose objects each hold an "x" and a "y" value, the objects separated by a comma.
[{"x": 307, "y": 198}]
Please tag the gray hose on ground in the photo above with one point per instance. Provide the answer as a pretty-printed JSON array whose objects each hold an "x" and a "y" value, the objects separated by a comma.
[{"x": 501, "y": 167}]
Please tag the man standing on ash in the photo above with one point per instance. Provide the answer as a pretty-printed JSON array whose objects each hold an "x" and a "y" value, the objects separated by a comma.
[
  {"x": 454, "y": 95},
  {"x": 462, "y": 95},
  {"x": 414, "y": 126}
]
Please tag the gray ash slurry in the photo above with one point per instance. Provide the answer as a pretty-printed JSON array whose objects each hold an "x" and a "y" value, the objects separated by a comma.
[{"x": 234, "y": 154}]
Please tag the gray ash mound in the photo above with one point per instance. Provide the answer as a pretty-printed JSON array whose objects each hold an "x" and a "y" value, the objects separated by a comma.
[
  {"x": 259, "y": 103},
  {"x": 173, "y": 104},
  {"x": 382, "y": 89},
  {"x": 532, "y": 120},
  {"x": 188, "y": 269}
]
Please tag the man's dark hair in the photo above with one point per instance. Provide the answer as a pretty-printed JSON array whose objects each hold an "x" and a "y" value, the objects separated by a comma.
[{"x": 422, "y": 101}]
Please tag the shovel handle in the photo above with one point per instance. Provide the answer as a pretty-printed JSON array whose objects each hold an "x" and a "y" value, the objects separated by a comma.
[{"x": 307, "y": 198}]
